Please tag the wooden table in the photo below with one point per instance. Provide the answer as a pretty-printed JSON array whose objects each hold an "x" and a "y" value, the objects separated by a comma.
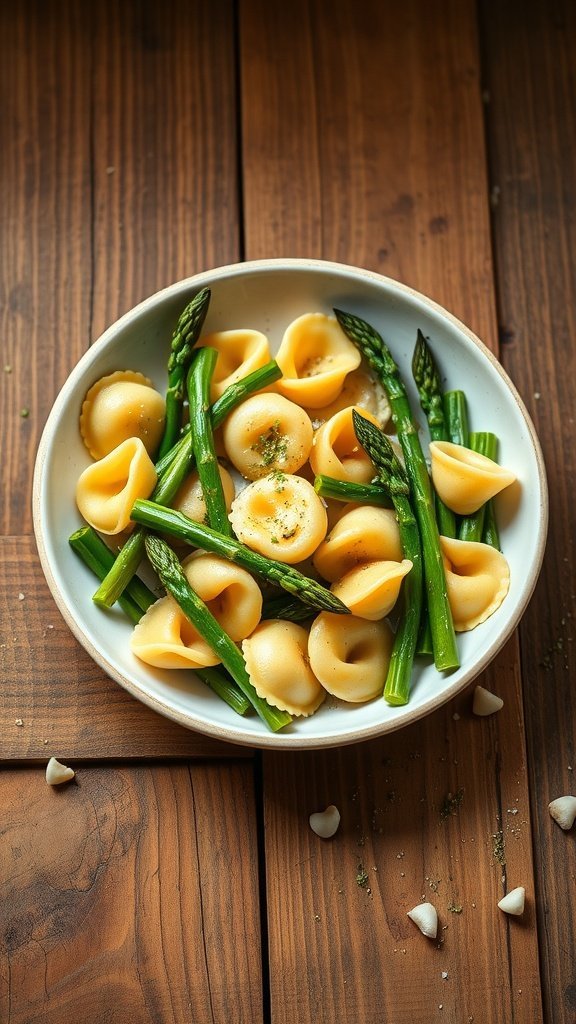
[{"x": 178, "y": 880}]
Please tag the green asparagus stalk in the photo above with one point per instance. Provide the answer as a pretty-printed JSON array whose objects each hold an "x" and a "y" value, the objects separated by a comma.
[
  {"x": 167, "y": 520},
  {"x": 345, "y": 490},
  {"x": 233, "y": 396},
  {"x": 202, "y": 436},
  {"x": 224, "y": 687},
  {"x": 282, "y": 607},
  {"x": 429, "y": 385},
  {"x": 491, "y": 533},
  {"x": 184, "y": 338},
  {"x": 174, "y": 473},
  {"x": 172, "y": 576},
  {"x": 390, "y": 471},
  {"x": 472, "y": 526},
  {"x": 456, "y": 417},
  {"x": 137, "y": 598},
  {"x": 90, "y": 547},
  {"x": 367, "y": 339}
]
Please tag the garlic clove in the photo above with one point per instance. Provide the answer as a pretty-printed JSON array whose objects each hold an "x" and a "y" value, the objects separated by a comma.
[
  {"x": 325, "y": 823},
  {"x": 426, "y": 919},
  {"x": 563, "y": 810},
  {"x": 513, "y": 901},
  {"x": 485, "y": 703},
  {"x": 57, "y": 773}
]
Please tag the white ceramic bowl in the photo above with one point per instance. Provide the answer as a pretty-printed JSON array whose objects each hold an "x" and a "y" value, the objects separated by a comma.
[{"x": 267, "y": 295}]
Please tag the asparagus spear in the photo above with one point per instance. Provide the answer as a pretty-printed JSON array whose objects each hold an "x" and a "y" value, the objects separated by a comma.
[
  {"x": 472, "y": 526},
  {"x": 390, "y": 471},
  {"x": 282, "y": 607},
  {"x": 184, "y": 338},
  {"x": 345, "y": 490},
  {"x": 427, "y": 379},
  {"x": 167, "y": 520},
  {"x": 367, "y": 339},
  {"x": 90, "y": 547},
  {"x": 456, "y": 417},
  {"x": 175, "y": 471},
  {"x": 203, "y": 446},
  {"x": 233, "y": 396},
  {"x": 137, "y": 598},
  {"x": 172, "y": 576}
]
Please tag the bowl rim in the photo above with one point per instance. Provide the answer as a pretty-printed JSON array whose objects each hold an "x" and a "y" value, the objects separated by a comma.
[{"x": 240, "y": 736}]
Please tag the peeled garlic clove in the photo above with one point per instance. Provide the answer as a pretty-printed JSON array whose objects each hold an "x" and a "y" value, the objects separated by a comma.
[
  {"x": 513, "y": 901},
  {"x": 325, "y": 823},
  {"x": 57, "y": 773},
  {"x": 486, "y": 703},
  {"x": 426, "y": 919},
  {"x": 563, "y": 810}
]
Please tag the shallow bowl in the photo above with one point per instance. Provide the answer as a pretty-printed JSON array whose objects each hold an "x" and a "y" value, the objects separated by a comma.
[{"x": 268, "y": 295}]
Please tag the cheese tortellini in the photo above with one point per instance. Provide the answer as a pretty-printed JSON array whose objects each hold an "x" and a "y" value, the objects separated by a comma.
[
  {"x": 165, "y": 638},
  {"x": 336, "y": 451},
  {"x": 121, "y": 405},
  {"x": 276, "y": 658},
  {"x": 477, "y": 579},
  {"x": 107, "y": 489},
  {"x": 230, "y": 592},
  {"x": 267, "y": 433},
  {"x": 349, "y": 655},
  {"x": 315, "y": 356},
  {"x": 370, "y": 591},
  {"x": 190, "y": 498},
  {"x": 362, "y": 534},
  {"x": 463, "y": 479},
  {"x": 239, "y": 353},
  {"x": 280, "y": 516}
]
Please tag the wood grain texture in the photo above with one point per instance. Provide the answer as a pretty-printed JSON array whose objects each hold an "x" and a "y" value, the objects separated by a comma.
[
  {"x": 113, "y": 185},
  {"x": 363, "y": 143},
  {"x": 531, "y": 82},
  {"x": 69, "y": 707},
  {"x": 372, "y": 152},
  {"x": 131, "y": 894}
]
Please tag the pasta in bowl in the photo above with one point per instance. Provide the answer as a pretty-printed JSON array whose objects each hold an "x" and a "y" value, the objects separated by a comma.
[{"x": 253, "y": 309}]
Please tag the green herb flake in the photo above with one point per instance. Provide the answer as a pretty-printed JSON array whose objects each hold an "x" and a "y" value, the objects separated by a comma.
[
  {"x": 272, "y": 445},
  {"x": 361, "y": 877}
]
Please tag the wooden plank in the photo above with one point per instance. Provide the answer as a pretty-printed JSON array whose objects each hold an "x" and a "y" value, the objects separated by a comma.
[
  {"x": 531, "y": 121},
  {"x": 346, "y": 149},
  {"x": 68, "y": 706},
  {"x": 45, "y": 215},
  {"x": 130, "y": 895},
  {"x": 114, "y": 185},
  {"x": 375, "y": 140}
]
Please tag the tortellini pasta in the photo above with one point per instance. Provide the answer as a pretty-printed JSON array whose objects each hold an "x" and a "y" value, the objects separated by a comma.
[
  {"x": 280, "y": 516},
  {"x": 362, "y": 534},
  {"x": 370, "y": 591},
  {"x": 463, "y": 479},
  {"x": 165, "y": 638},
  {"x": 189, "y": 498},
  {"x": 230, "y": 592},
  {"x": 336, "y": 452},
  {"x": 349, "y": 655},
  {"x": 239, "y": 353},
  {"x": 121, "y": 405},
  {"x": 477, "y": 580},
  {"x": 315, "y": 355},
  {"x": 276, "y": 657},
  {"x": 267, "y": 433},
  {"x": 360, "y": 388},
  {"x": 107, "y": 489}
]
